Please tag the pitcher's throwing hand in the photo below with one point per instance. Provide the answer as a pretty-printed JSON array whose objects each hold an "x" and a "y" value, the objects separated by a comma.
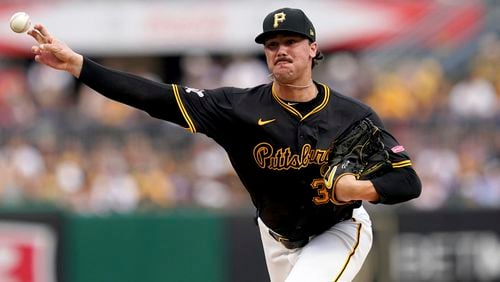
[{"x": 54, "y": 53}]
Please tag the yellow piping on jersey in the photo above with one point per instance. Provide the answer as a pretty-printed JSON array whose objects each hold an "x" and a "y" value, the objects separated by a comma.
[
  {"x": 401, "y": 164},
  {"x": 183, "y": 110},
  {"x": 297, "y": 113},
  {"x": 353, "y": 251},
  {"x": 285, "y": 105},
  {"x": 323, "y": 103}
]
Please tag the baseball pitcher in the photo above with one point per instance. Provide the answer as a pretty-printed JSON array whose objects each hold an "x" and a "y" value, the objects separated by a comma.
[{"x": 308, "y": 156}]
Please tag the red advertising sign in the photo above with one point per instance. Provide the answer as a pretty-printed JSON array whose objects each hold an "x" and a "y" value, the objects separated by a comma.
[{"x": 27, "y": 252}]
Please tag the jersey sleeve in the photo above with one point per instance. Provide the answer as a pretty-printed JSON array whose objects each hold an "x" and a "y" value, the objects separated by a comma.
[
  {"x": 205, "y": 110},
  {"x": 155, "y": 98},
  {"x": 401, "y": 183},
  {"x": 193, "y": 109}
]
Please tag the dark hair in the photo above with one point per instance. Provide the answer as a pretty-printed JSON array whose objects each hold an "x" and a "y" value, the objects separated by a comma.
[{"x": 319, "y": 57}]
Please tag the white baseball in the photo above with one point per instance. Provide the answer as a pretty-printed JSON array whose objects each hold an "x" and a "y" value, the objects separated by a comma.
[{"x": 20, "y": 22}]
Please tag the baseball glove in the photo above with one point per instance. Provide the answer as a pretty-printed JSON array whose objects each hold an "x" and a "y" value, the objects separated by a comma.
[{"x": 359, "y": 151}]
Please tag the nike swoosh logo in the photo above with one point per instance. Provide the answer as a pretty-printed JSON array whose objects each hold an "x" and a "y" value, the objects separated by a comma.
[
  {"x": 264, "y": 122},
  {"x": 329, "y": 178}
]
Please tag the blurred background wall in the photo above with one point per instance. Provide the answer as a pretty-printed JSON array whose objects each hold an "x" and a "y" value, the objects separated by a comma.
[{"x": 91, "y": 190}]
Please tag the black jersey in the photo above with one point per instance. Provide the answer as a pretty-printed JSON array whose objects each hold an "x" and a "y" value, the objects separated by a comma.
[{"x": 275, "y": 148}]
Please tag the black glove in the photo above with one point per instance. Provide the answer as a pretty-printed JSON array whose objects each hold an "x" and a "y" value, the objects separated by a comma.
[{"x": 359, "y": 151}]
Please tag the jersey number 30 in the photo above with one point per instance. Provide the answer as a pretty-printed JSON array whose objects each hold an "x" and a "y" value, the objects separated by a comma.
[{"x": 323, "y": 196}]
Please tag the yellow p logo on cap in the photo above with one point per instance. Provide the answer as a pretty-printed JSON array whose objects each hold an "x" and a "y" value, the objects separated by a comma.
[{"x": 279, "y": 18}]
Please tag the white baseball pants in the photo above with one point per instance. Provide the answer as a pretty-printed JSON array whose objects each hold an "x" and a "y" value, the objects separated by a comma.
[{"x": 335, "y": 255}]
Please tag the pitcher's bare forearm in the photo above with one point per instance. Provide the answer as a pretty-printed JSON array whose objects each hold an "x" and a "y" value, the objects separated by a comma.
[
  {"x": 349, "y": 188},
  {"x": 385, "y": 189}
]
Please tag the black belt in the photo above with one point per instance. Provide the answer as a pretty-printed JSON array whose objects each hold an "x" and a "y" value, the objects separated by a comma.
[
  {"x": 289, "y": 244},
  {"x": 299, "y": 243}
]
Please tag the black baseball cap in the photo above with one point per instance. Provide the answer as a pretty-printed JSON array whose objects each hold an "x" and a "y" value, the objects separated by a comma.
[{"x": 286, "y": 20}]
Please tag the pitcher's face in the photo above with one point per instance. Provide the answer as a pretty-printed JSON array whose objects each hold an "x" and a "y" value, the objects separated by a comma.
[{"x": 289, "y": 57}]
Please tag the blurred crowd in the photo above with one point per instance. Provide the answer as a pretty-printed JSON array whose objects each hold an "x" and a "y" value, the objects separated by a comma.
[{"x": 64, "y": 145}]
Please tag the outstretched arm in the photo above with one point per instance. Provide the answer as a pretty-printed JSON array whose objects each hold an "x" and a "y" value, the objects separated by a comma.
[
  {"x": 54, "y": 53},
  {"x": 157, "y": 99}
]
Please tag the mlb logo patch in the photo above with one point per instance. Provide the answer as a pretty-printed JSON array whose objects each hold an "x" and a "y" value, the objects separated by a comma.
[{"x": 398, "y": 149}]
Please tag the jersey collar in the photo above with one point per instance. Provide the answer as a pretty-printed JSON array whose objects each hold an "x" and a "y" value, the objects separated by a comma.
[{"x": 292, "y": 110}]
